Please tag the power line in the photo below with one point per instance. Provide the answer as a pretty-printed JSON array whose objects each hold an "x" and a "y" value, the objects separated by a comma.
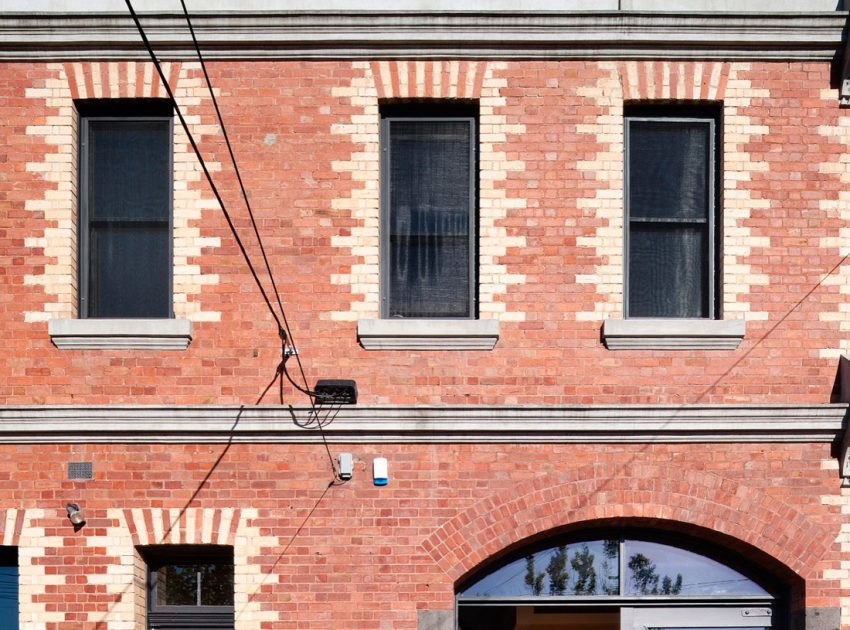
[
  {"x": 289, "y": 338},
  {"x": 203, "y": 164},
  {"x": 284, "y": 331}
]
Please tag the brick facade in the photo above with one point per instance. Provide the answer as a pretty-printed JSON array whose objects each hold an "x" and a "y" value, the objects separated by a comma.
[
  {"x": 357, "y": 556},
  {"x": 551, "y": 236},
  {"x": 550, "y": 269}
]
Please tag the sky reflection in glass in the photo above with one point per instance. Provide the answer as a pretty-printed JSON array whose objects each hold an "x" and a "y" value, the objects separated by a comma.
[{"x": 591, "y": 568}]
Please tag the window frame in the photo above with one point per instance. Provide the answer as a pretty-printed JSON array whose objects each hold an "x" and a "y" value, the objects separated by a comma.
[
  {"x": 197, "y": 616},
  {"x": 697, "y": 113},
  {"x": 419, "y": 112},
  {"x": 134, "y": 110}
]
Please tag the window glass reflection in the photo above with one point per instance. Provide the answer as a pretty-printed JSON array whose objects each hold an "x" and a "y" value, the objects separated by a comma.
[
  {"x": 585, "y": 568},
  {"x": 195, "y": 584},
  {"x": 591, "y": 568},
  {"x": 656, "y": 569}
]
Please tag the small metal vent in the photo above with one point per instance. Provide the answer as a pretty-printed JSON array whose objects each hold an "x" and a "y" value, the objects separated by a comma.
[{"x": 79, "y": 470}]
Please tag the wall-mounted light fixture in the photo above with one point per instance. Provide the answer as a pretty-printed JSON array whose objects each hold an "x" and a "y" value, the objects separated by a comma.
[{"x": 75, "y": 514}]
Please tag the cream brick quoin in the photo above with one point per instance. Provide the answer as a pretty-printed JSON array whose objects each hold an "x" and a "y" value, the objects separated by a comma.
[
  {"x": 678, "y": 81},
  {"x": 842, "y": 573},
  {"x": 127, "y": 580},
  {"x": 59, "y": 203},
  {"x": 840, "y": 207},
  {"x": 448, "y": 79}
]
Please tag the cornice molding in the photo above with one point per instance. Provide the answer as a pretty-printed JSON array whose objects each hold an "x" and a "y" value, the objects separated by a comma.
[
  {"x": 360, "y": 424},
  {"x": 415, "y": 34}
]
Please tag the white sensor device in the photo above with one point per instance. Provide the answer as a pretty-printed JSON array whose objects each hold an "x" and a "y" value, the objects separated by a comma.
[
  {"x": 346, "y": 466},
  {"x": 380, "y": 473}
]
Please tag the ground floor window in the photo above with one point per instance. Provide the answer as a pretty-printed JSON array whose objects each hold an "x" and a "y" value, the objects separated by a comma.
[
  {"x": 9, "y": 575},
  {"x": 189, "y": 586},
  {"x": 622, "y": 580}
]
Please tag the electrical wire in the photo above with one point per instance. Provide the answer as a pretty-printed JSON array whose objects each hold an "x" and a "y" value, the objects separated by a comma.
[
  {"x": 286, "y": 326},
  {"x": 282, "y": 323},
  {"x": 203, "y": 164},
  {"x": 288, "y": 338},
  {"x": 247, "y": 202}
]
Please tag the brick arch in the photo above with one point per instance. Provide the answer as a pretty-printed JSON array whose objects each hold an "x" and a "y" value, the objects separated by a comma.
[
  {"x": 120, "y": 79},
  {"x": 603, "y": 492},
  {"x": 194, "y": 526},
  {"x": 429, "y": 79},
  {"x": 676, "y": 80},
  {"x": 11, "y": 526}
]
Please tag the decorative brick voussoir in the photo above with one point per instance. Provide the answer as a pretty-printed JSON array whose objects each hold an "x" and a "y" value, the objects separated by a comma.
[{"x": 695, "y": 499}]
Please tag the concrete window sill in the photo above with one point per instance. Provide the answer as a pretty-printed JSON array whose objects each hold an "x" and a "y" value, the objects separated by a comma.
[
  {"x": 120, "y": 334},
  {"x": 672, "y": 334},
  {"x": 428, "y": 334}
]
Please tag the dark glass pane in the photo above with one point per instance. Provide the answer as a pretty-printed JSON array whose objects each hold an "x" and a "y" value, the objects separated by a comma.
[
  {"x": 668, "y": 270},
  {"x": 128, "y": 164},
  {"x": 656, "y": 569},
  {"x": 9, "y": 596},
  {"x": 129, "y": 271},
  {"x": 669, "y": 169},
  {"x": 183, "y": 584},
  {"x": 217, "y": 585},
  {"x": 429, "y": 220},
  {"x": 585, "y": 568},
  {"x": 177, "y": 585}
]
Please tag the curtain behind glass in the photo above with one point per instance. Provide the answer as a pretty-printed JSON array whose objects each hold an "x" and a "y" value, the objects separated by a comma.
[
  {"x": 129, "y": 189},
  {"x": 429, "y": 218},
  {"x": 669, "y": 206}
]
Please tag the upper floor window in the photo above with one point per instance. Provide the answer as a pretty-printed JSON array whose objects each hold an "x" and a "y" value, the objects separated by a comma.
[
  {"x": 125, "y": 209},
  {"x": 428, "y": 210},
  {"x": 671, "y": 211},
  {"x": 190, "y": 587}
]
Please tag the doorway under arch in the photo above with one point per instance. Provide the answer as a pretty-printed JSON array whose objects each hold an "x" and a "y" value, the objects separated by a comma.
[{"x": 622, "y": 579}]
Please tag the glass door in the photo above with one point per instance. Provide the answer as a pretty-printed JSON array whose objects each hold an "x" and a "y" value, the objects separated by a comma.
[{"x": 697, "y": 618}]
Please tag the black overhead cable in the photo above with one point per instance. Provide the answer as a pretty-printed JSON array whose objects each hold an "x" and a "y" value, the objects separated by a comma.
[
  {"x": 282, "y": 324},
  {"x": 203, "y": 163},
  {"x": 289, "y": 338}
]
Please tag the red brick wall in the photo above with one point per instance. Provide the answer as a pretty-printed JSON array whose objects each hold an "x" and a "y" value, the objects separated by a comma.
[
  {"x": 358, "y": 556},
  {"x": 549, "y": 358}
]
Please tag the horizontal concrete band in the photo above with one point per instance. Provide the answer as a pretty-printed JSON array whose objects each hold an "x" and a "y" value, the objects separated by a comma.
[
  {"x": 420, "y": 34},
  {"x": 268, "y": 424}
]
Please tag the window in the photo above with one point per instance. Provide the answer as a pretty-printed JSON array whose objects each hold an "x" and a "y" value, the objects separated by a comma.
[
  {"x": 671, "y": 214},
  {"x": 428, "y": 176},
  {"x": 190, "y": 587},
  {"x": 125, "y": 209},
  {"x": 624, "y": 580},
  {"x": 9, "y": 587}
]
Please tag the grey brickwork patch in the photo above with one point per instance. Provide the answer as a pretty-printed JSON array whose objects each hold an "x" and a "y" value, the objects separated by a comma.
[{"x": 434, "y": 620}]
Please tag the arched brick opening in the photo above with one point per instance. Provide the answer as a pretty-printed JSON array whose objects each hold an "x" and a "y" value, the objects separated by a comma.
[{"x": 742, "y": 519}]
